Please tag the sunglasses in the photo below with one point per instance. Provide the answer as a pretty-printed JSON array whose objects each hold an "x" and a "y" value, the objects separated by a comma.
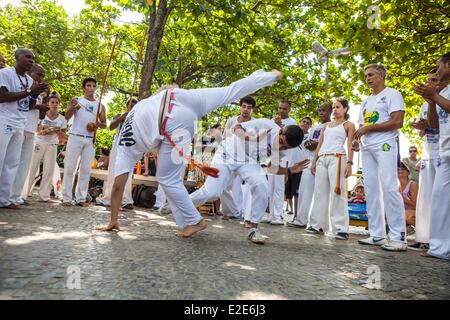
[{"x": 411, "y": 151}]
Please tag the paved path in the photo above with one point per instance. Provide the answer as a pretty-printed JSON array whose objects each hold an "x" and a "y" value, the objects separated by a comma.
[{"x": 43, "y": 246}]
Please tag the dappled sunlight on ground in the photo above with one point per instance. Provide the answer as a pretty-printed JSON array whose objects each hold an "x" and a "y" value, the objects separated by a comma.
[
  {"x": 241, "y": 266},
  {"x": 39, "y": 236},
  {"x": 259, "y": 295}
]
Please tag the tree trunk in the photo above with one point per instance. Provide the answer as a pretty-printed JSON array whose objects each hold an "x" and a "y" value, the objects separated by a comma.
[{"x": 158, "y": 21}]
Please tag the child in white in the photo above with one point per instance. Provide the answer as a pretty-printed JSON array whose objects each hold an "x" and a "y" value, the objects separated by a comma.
[
  {"x": 141, "y": 133},
  {"x": 331, "y": 168},
  {"x": 381, "y": 115},
  {"x": 45, "y": 149}
]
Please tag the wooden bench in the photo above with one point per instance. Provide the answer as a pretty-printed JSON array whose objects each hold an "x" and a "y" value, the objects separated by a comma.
[{"x": 137, "y": 178}]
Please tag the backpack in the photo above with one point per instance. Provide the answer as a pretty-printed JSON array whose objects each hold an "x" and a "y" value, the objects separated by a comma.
[{"x": 144, "y": 196}]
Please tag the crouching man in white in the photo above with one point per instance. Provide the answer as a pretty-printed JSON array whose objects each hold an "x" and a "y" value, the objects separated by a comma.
[
  {"x": 239, "y": 154},
  {"x": 166, "y": 120}
]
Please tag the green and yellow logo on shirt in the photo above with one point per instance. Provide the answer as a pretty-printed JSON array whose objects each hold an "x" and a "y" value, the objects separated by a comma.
[
  {"x": 386, "y": 147},
  {"x": 371, "y": 117}
]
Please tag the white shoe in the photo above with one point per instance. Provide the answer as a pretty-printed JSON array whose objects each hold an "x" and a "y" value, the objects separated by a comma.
[
  {"x": 295, "y": 223},
  {"x": 266, "y": 220},
  {"x": 165, "y": 209},
  {"x": 373, "y": 241},
  {"x": 255, "y": 236},
  {"x": 277, "y": 222},
  {"x": 394, "y": 246}
]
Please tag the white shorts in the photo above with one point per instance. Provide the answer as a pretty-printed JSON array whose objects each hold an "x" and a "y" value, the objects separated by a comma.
[{"x": 126, "y": 160}]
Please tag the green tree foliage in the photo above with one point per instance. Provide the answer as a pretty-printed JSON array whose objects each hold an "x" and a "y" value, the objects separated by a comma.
[{"x": 214, "y": 42}]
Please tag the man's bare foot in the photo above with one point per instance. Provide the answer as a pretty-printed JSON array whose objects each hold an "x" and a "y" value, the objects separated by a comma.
[
  {"x": 278, "y": 74},
  {"x": 248, "y": 224},
  {"x": 427, "y": 255},
  {"x": 110, "y": 227},
  {"x": 11, "y": 206},
  {"x": 190, "y": 230}
]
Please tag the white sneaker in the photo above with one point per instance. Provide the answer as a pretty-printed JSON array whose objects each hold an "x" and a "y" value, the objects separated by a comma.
[
  {"x": 373, "y": 241},
  {"x": 255, "y": 236},
  {"x": 295, "y": 223},
  {"x": 394, "y": 246},
  {"x": 165, "y": 209},
  {"x": 277, "y": 222},
  {"x": 266, "y": 220}
]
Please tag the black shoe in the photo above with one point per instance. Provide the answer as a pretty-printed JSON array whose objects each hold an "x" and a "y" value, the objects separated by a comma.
[
  {"x": 419, "y": 246},
  {"x": 314, "y": 230},
  {"x": 342, "y": 236},
  {"x": 128, "y": 206}
]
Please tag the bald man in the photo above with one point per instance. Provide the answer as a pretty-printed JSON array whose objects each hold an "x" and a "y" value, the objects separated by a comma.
[
  {"x": 16, "y": 90},
  {"x": 36, "y": 112}
]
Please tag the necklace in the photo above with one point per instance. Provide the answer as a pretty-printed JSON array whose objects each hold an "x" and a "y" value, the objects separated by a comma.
[{"x": 20, "y": 79}]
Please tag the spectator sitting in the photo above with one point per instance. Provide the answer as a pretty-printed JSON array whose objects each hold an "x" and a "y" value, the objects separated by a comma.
[
  {"x": 103, "y": 161},
  {"x": 409, "y": 189},
  {"x": 359, "y": 196}
]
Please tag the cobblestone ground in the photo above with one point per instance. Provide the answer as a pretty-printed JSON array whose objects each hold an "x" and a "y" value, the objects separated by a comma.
[{"x": 42, "y": 244}]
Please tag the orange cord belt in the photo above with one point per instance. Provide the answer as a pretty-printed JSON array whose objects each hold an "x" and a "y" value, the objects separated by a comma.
[
  {"x": 337, "y": 189},
  {"x": 210, "y": 171}
]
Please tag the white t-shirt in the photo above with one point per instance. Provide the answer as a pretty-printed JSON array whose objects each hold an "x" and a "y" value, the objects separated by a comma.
[
  {"x": 52, "y": 138},
  {"x": 444, "y": 126},
  {"x": 431, "y": 146},
  {"x": 87, "y": 113},
  {"x": 288, "y": 122},
  {"x": 377, "y": 109},
  {"x": 229, "y": 126},
  {"x": 140, "y": 129},
  {"x": 33, "y": 118},
  {"x": 14, "y": 113},
  {"x": 234, "y": 150}
]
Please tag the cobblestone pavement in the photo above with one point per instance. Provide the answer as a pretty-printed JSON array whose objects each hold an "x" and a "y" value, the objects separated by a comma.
[{"x": 42, "y": 245}]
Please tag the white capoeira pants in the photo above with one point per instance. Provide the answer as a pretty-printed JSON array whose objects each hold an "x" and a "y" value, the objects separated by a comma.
[
  {"x": 423, "y": 211},
  {"x": 305, "y": 197},
  {"x": 161, "y": 198},
  {"x": 276, "y": 196},
  {"x": 440, "y": 212},
  {"x": 232, "y": 198},
  {"x": 247, "y": 195},
  {"x": 382, "y": 189},
  {"x": 108, "y": 184},
  {"x": 329, "y": 205},
  {"x": 10, "y": 149},
  {"x": 23, "y": 169},
  {"x": 45, "y": 153},
  {"x": 250, "y": 173},
  {"x": 83, "y": 149}
]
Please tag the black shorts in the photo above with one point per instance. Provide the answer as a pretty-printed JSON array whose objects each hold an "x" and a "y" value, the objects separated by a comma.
[{"x": 291, "y": 187}]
